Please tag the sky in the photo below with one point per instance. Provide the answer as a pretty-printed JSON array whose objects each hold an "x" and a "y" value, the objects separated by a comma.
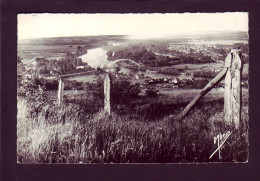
[{"x": 46, "y": 25}]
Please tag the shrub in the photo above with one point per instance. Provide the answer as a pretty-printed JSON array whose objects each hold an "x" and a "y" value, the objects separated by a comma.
[{"x": 29, "y": 87}]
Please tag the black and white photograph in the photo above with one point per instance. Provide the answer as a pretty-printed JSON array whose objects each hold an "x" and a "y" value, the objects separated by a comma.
[{"x": 134, "y": 88}]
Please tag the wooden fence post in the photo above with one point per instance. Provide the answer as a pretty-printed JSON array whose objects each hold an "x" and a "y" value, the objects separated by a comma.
[
  {"x": 232, "y": 94},
  {"x": 60, "y": 92},
  {"x": 107, "y": 94}
]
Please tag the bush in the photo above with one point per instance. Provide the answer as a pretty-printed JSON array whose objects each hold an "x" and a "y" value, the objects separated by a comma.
[{"x": 31, "y": 89}]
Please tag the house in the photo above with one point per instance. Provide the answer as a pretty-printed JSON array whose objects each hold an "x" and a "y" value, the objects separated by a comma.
[
  {"x": 165, "y": 79},
  {"x": 80, "y": 67},
  {"x": 175, "y": 81}
]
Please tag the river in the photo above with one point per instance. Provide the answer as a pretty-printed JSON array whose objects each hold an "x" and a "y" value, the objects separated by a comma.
[{"x": 96, "y": 57}]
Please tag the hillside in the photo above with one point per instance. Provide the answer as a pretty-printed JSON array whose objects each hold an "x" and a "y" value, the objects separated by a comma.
[{"x": 73, "y": 40}]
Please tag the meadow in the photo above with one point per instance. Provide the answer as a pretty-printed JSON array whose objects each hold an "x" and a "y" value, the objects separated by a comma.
[
  {"x": 31, "y": 52},
  {"x": 145, "y": 130}
]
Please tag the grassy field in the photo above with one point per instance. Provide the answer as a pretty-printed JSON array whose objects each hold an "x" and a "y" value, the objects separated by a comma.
[
  {"x": 70, "y": 135},
  {"x": 190, "y": 68},
  {"x": 30, "y": 53}
]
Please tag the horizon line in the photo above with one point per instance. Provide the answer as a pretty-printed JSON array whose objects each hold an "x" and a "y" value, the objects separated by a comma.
[{"x": 175, "y": 34}]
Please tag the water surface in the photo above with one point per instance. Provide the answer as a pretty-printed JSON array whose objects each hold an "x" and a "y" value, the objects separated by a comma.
[{"x": 96, "y": 57}]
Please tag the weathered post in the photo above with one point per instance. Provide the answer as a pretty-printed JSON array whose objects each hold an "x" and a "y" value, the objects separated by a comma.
[
  {"x": 232, "y": 94},
  {"x": 107, "y": 94},
  {"x": 60, "y": 92}
]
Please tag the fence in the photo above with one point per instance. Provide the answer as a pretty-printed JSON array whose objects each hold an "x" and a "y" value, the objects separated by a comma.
[
  {"x": 232, "y": 71},
  {"x": 107, "y": 81},
  {"x": 232, "y": 93}
]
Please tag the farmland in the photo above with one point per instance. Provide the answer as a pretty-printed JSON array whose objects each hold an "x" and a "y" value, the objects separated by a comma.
[{"x": 145, "y": 102}]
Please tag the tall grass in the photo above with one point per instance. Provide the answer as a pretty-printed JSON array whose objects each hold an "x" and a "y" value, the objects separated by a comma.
[{"x": 66, "y": 135}]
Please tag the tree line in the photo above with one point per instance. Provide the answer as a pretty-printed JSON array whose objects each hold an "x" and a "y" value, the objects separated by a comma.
[
  {"x": 65, "y": 65},
  {"x": 143, "y": 54}
]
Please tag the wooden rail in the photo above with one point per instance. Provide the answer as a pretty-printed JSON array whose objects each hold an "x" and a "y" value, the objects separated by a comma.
[
  {"x": 204, "y": 91},
  {"x": 232, "y": 93}
]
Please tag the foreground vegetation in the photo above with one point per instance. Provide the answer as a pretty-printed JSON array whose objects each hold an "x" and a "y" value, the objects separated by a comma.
[
  {"x": 67, "y": 136},
  {"x": 139, "y": 130}
]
